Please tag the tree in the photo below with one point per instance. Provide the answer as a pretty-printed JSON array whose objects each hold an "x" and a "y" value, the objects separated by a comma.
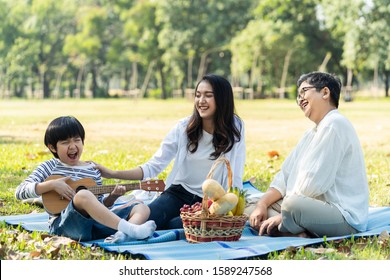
[
  {"x": 376, "y": 37},
  {"x": 196, "y": 36},
  {"x": 277, "y": 44},
  {"x": 345, "y": 22},
  {"x": 141, "y": 31},
  {"x": 47, "y": 25}
]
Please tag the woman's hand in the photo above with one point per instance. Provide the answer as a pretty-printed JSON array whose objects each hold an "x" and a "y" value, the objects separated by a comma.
[
  {"x": 106, "y": 173},
  {"x": 258, "y": 215},
  {"x": 270, "y": 225}
]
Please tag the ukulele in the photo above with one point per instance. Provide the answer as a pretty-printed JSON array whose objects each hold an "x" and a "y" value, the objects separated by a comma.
[{"x": 55, "y": 203}]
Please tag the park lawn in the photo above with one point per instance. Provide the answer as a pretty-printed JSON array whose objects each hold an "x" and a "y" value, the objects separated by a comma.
[{"x": 123, "y": 133}]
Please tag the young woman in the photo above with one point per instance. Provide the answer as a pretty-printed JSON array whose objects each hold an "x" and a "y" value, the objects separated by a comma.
[
  {"x": 321, "y": 189},
  {"x": 86, "y": 217},
  {"x": 213, "y": 130}
]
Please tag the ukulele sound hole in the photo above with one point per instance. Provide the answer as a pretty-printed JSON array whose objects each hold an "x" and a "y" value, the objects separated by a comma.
[{"x": 81, "y": 188}]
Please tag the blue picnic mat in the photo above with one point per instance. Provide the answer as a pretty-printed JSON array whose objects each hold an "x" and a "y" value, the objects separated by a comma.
[{"x": 172, "y": 245}]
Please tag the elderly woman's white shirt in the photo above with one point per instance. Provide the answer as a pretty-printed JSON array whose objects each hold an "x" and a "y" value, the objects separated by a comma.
[{"x": 328, "y": 164}]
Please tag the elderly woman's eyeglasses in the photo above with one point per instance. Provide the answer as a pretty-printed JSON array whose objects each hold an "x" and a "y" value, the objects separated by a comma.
[{"x": 302, "y": 92}]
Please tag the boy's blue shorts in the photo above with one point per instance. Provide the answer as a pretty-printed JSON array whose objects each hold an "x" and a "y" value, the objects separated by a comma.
[{"x": 74, "y": 225}]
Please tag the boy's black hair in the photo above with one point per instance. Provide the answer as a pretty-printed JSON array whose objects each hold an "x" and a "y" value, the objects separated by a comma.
[{"x": 61, "y": 129}]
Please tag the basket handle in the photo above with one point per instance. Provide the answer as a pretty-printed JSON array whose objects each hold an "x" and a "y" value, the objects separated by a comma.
[{"x": 215, "y": 165}]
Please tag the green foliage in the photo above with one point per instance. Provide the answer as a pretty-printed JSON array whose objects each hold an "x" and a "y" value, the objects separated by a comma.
[{"x": 78, "y": 46}]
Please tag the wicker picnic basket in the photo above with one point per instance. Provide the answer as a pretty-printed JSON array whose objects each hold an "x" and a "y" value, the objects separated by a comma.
[{"x": 205, "y": 227}]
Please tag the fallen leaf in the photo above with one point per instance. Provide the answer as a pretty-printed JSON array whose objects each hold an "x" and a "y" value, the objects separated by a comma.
[
  {"x": 42, "y": 153},
  {"x": 53, "y": 252},
  {"x": 35, "y": 254},
  {"x": 273, "y": 154},
  {"x": 24, "y": 236},
  {"x": 361, "y": 245},
  {"x": 291, "y": 250},
  {"x": 320, "y": 251},
  {"x": 60, "y": 240},
  {"x": 344, "y": 249},
  {"x": 252, "y": 179},
  {"x": 3, "y": 251},
  {"x": 45, "y": 235},
  {"x": 31, "y": 156},
  {"x": 384, "y": 235},
  {"x": 322, "y": 258}
]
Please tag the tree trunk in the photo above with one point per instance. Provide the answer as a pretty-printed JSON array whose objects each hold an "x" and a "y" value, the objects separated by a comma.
[
  {"x": 202, "y": 65},
  {"x": 375, "y": 79},
  {"x": 203, "y": 61},
  {"x": 42, "y": 78},
  {"x": 254, "y": 73},
  {"x": 286, "y": 64},
  {"x": 46, "y": 86},
  {"x": 78, "y": 86},
  {"x": 134, "y": 76},
  {"x": 126, "y": 77},
  {"x": 94, "y": 82},
  {"x": 348, "y": 87},
  {"x": 164, "y": 94},
  {"x": 189, "y": 71},
  {"x": 387, "y": 81},
  {"x": 147, "y": 78},
  {"x": 349, "y": 77},
  {"x": 322, "y": 67},
  {"x": 60, "y": 73}
]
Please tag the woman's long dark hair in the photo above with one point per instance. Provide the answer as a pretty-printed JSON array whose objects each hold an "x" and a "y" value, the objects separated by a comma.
[{"x": 226, "y": 133}]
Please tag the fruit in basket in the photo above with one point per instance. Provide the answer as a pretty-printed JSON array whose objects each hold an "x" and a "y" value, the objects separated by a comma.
[
  {"x": 238, "y": 210},
  {"x": 194, "y": 208},
  {"x": 223, "y": 205},
  {"x": 213, "y": 189},
  {"x": 236, "y": 191},
  {"x": 241, "y": 203}
]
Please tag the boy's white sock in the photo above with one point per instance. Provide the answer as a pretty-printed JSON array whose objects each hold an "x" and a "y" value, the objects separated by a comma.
[
  {"x": 137, "y": 231},
  {"x": 118, "y": 237}
]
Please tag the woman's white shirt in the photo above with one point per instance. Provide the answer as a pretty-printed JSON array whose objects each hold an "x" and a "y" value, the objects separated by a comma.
[
  {"x": 328, "y": 164},
  {"x": 174, "y": 146}
]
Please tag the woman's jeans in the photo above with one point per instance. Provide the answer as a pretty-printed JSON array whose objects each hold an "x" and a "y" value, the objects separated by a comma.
[{"x": 165, "y": 209}]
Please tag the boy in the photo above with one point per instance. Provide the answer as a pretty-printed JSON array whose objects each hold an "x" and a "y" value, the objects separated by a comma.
[{"x": 86, "y": 217}]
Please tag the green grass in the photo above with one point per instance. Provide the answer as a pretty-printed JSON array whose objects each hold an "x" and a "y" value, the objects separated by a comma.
[{"x": 123, "y": 133}]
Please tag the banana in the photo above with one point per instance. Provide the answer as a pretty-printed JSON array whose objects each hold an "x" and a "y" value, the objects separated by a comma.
[
  {"x": 236, "y": 191},
  {"x": 241, "y": 203}
]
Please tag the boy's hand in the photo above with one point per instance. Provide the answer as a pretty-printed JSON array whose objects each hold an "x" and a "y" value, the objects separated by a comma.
[
  {"x": 118, "y": 190},
  {"x": 62, "y": 188}
]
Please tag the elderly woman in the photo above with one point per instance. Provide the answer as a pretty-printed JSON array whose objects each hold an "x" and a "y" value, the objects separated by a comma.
[{"x": 321, "y": 189}]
